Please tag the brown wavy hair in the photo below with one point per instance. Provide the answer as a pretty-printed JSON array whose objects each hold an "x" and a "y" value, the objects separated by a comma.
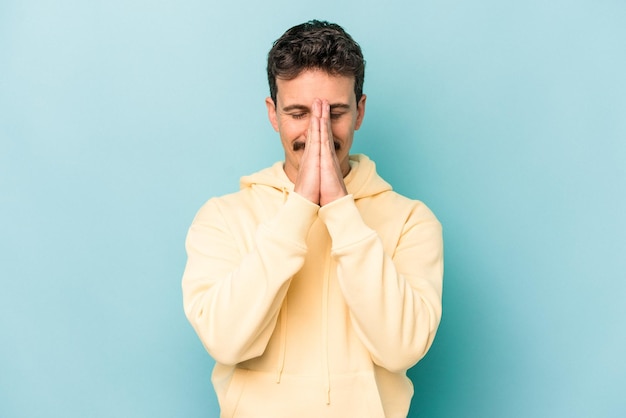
[{"x": 315, "y": 45}]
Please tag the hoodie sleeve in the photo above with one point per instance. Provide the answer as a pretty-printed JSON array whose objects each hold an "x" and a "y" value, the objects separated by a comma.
[
  {"x": 394, "y": 298},
  {"x": 232, "y": 300}
]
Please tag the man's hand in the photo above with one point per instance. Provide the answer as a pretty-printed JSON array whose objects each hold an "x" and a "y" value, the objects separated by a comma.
[
  {"x": 308, "y": 180},
  {"x": 320, "y": 179},
  {"x": 332, "y": 186}
]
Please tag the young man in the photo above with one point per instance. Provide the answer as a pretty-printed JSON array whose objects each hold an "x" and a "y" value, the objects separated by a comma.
[{"x": 315, "y": 287}]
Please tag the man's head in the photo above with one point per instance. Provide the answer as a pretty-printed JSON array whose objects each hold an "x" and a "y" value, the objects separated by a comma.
[
  {"x": 315, "y": 45},
  {"x": 315, "y": 61}
]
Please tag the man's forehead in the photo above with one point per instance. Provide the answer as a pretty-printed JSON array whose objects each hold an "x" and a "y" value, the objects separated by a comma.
[{"x": 312, "y": 84}]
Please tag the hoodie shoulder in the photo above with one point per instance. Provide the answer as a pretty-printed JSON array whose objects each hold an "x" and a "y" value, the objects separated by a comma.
[
  {"x": 363, "y": 180},
  {"x": 273, "y": 176}
]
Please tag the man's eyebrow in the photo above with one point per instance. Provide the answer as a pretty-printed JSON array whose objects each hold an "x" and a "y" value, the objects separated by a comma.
[
  {"x": 295, "y": 107},
  {"x": 339, "y": 106},
  {"x": 303, "y": 108}
]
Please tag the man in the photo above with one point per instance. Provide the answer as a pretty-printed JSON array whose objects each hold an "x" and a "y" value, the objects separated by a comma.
[{"x": 315, "y": 287}]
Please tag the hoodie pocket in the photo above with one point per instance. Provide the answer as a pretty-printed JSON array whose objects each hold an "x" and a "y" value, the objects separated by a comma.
[{"x": 254, "y": 394}]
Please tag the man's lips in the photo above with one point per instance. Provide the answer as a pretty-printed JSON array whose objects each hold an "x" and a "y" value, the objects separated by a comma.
[{"x": 299, "y": 145}]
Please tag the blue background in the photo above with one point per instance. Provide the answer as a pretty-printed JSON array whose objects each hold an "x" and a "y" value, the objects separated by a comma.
[{"x": 118, "y": 119}]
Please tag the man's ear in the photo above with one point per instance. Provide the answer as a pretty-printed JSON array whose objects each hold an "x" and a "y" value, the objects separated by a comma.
[
  {"x": 360, "y": 112},
  {"x": 271, "y": 112}
]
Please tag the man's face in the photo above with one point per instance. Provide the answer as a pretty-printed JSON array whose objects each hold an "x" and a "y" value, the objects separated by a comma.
[{"x": 290, "y": 114}]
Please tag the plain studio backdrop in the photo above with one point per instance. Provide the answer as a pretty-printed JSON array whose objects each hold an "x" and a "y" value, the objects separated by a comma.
[{"x": 118, "y": 119}]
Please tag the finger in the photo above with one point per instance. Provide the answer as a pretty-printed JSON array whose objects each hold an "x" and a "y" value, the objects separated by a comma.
[
  {"x": 326, "y": 134},
  {"x": 309, "y": 138},
  {"x": 316, "y": 112},
  {"x": 325, "y": 109},
  {"x": 312, "y": 133},
  {"x": 324, "y": 121},
  {"x": 317, "y": 108},
  {"x": 315, "y": 130}
]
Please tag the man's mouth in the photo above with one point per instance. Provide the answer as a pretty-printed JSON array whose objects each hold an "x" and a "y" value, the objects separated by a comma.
[{"x": 299, "y": 145}]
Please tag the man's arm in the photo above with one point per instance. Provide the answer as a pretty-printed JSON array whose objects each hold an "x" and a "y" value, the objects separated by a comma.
[
  {"x": 394, "y": 299},
  {"x": 232, "y": 299}
]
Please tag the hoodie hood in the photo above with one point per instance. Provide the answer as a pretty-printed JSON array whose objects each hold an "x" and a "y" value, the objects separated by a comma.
[{"x": 362, "y": 180}]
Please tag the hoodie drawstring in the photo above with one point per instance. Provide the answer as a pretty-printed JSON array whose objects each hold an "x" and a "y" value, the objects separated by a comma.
[
  {"x": 325, "y": 367},
  {"x": 283, "y": 341}
]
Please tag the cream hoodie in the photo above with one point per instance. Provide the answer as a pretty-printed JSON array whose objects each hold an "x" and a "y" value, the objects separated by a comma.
[{"x": 314, "y": 312}]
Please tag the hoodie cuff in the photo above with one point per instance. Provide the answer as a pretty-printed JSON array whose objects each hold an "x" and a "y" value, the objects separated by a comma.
[
  {"x": 344, "y": 222},
  {"x": 294, "y": 219}
]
